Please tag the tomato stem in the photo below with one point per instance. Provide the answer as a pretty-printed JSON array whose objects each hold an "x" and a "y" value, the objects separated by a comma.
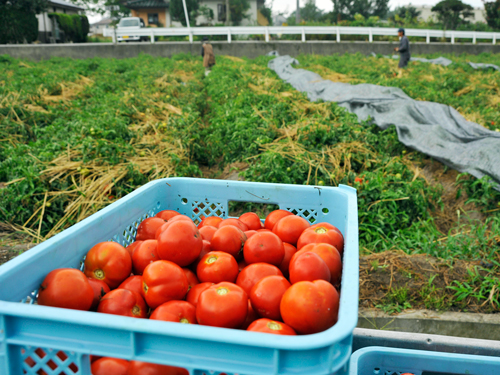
[
  {"x": 321, "y": 230},
  {"x": 275, "y": 326},
  {"x": 99, "y": 274}
]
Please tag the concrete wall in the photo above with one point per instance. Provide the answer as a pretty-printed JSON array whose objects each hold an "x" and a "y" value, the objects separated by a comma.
[{"x": 239, "y": 49}]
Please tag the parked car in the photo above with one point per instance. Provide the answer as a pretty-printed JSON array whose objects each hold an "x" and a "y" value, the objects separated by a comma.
[{"x": 132, "y": 24}]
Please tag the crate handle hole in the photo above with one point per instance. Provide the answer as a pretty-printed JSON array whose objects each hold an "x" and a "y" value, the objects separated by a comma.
[
  {"x": 325, "y": 211},
  {"x": 184, "y": 200},
  {"x": 376, "y": 371},
  {"x": 158, "y": 204}
]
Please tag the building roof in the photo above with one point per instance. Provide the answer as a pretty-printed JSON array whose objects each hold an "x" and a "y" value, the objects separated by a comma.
[
  {"x": 141, "y": 4},
  {"x": 104, "y": 21},
  {"x": 64, "y": 4}
]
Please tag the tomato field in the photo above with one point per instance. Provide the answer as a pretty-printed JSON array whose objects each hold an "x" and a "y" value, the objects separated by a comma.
[{"x": 77, "y": 135}]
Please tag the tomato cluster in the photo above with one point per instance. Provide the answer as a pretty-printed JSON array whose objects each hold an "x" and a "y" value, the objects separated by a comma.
[{"x": 279, "y": 277}]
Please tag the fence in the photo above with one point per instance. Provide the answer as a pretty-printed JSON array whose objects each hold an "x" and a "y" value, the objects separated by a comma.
[{"x": 267, "y": 31}]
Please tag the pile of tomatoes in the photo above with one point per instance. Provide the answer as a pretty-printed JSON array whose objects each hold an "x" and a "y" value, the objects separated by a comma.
[{"x": 279, "y": 277}]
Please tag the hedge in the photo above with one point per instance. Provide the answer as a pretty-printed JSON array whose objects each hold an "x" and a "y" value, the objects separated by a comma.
[
  {"x": 17, "y": 26},
  {"x": 75, "y": 26}
]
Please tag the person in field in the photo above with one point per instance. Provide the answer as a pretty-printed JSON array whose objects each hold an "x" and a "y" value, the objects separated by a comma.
[
  {"x": 207, "y": 52},
  {"x": 404, "y": 50}
]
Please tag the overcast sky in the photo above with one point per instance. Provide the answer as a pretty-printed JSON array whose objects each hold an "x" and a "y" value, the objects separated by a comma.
[{"x": 289, "y": 6}]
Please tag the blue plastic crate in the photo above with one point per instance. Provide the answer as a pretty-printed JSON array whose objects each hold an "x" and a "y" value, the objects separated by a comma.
[
  {"x": 24, "y": 327},
  {"x": 377, "y": 360}
]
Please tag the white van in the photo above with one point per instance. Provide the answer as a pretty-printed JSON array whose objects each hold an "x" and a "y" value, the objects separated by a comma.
[{"x": 131, "y": 24}]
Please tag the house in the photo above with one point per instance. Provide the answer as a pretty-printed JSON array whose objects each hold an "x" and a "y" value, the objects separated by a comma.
[
  {"x": 156, "y": 13},
  {"x": 98, "y": 27},
  {"x": 47, "y": 30},
  {"x": 426, "y": 14},
  {"x": 279, "y": 20}
]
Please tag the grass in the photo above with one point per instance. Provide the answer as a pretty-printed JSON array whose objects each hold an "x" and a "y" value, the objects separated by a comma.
[{"x": 79, "y": 134}]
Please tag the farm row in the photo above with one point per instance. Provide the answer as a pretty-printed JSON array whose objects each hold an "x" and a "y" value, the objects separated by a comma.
[{"x": 77, "y": 135}]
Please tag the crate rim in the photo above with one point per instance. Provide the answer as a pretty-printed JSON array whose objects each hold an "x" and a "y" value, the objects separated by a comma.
[
  {"x": 430, "y": 355},
  {"x": 198, "y": 332}
]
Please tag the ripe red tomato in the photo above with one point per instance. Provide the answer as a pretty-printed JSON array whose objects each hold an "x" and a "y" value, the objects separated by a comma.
[
  {"x": 109, "y": 262},
  {"x": 222, "y": 305},
  {"x": 180, "y": 243},
  {"x": 144, "y": 254},
  {"x": 274, "y": 217},
  {"x": 207, "y": 232},
  {"x": 204, "y": 250},
  {"x": 264, "y": 247},
  {"x": 217, "y": 266},
  {"x": 123, "y": 302},
  {"x": 330, "y": 255},
  {"x": 252, "y": 220},
  {"x": 195, "y": 291},
  {"x": 67, "y": 288},
  {"x": 322, "y": 233},
  {"x": 289, "y": 228},
  {"x": 163, "y": 281},
  {"x": 175, "y": 311},
  {"x": 250, "y": 233},
  {"x": 310, "y": 306},
  {"x": 235, "y": 223},
  {"x": 181, "y": 218},
  {"x": 161, "y": 229},
  {"x": 253, "y": 273},
  {"x": 263, "y": 230},
  {"x": 130, "y": 248},
  {"x": 110, "y": 366},
  {"x": 270, "y": 326},
  {"x": 308, "y": 266},
  {"x": 147, "y": 229},
  {"x": 228, "y": 239},
  {"x": 266, "y": 296},
  {"x": 144, "y": 368},
  {"x": 251, "y": 316},
  {"x": 191, "y": 278},
  {"x": 167, "y": 214},
  {"x": 100, "y": 288},
  {"x": 289, "y": 251},
  {"x": 211, "y": 221},
  {"x": 133, "y": 283}
]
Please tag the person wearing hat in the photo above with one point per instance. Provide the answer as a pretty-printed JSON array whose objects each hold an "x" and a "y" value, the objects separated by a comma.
[
  {"x": 207, "y": 52},
  {"x": 403, "y": 49}
]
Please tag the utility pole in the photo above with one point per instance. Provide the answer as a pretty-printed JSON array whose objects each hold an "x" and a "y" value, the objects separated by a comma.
[
  {"x": 186, "y": 13},
  {"x": 297, "y": 13},
  {"x": 228, "y": 14}
]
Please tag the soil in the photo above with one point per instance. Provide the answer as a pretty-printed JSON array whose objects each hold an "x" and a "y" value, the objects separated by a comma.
[
  {"x": 394, "y": 277},
  {"x": 436, "y": 173}
]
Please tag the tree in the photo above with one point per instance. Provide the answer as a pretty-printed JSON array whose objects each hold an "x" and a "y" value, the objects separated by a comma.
[
  {"x": 405, "y": 15},
  {"x": 493, "y": 13},
  {"x": 452, "y": 13},
  {"x": 238, "y": 9},
  {"x": 347, "y": 9},
  {"x": 18, "y": 22},
  {"x": 309, "y": 12},
  {"x": 177, "y": 11}
]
